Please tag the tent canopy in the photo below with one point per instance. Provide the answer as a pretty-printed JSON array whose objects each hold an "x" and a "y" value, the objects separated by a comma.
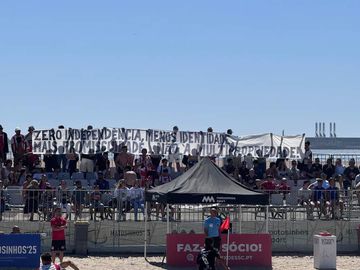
[{"x": 205, "y": 183}]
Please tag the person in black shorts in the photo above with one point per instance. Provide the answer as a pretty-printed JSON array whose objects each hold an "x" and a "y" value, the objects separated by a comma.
[{"x": 208, "y": 256}]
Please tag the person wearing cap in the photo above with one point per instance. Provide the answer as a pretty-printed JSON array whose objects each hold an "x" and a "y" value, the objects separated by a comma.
[
  {"x": 58, "y": 244},
  {"x": 212, "y": 227},
  {"x": 28, "y": 139},
  {"x": 18, "y": 146},
  {"x": 318, "y": 197},
  {"x": 4, "y": 147},
  {"x": 15, "y": 230}
]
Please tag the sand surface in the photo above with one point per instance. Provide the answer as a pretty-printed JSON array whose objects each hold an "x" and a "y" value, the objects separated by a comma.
[{"x": 134, "y": 263}]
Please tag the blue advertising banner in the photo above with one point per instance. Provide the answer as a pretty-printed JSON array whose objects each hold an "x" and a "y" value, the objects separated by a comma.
[{"x": 20, "y": 250}]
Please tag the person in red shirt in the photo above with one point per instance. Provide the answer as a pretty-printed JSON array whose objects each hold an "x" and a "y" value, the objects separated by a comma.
[
  {"x": 269, "y": 184},
  {"x": 58, "y": 226}
]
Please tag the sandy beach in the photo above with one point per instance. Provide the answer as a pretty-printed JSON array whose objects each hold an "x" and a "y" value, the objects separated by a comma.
[{"x": 134, "y": 263}]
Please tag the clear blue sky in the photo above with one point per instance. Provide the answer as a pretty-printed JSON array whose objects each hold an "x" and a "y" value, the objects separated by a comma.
[{"x": 254, "y": 66}]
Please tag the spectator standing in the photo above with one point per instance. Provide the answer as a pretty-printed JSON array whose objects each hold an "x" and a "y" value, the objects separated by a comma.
[
  {"x": 50, "y": 160},
  {"x": 123, "y": 160},
  {"x": 18, "y": 146},
  {"x": 102, "y": 163},
  {"x": 72, "y": 160},
  {"x": 95, "y": 203},
  {"x": 58, "y": 226},
  {"x": 143, "y": 166},
  {"x": 4, "y": 145},
  {"x": 306, "y": 155}
]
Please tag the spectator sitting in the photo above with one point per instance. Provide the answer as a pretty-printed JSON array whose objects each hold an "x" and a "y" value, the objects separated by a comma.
[
  {"x": 339, "y": 168},
  {"x": 2, "y": 199},
  {"x": 64, "y": 199},
  {"x": 318, "y": 197},
  {"x": 243, "y": 170},
  {"x": 229, "y": 167},
  {"x": 304, "y": 198},
  {"x": 333, "y": 201},
  {"x": 357, "y": 187},
  {"x": 130, "y": 178},
  {"x": 102, "y": 182},
  {"x": 78, "y": 199},
  {"x": 251, "y": 178},
  {"x": 121, "y": 200},
  {"x": 96, "y": 204},
  {"x": 294, "y": 172},
  {"x": 258, "y": 183},
  {"x": 307, "y": 169},
  {"x": 272, "y": 171},
  {"x": 317, "y": 168},
  {"x": 329, "y": 168},
  {"x": 283, "y": 187},
  {"x": 15, "y": 230},
  {"x": 6, "y": 171},
  {"x": 137, "y": 199},
  {"x": 269, "y": 184},
  {"x": 350, "y": 173},
  {"x": 283, "y": 171},
  {"x": 43, "y": 184}
]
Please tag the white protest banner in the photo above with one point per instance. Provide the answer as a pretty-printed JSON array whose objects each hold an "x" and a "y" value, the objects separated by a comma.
[
  {"x": 60, "y": 141},
  {"x": 266, "y": 145}
]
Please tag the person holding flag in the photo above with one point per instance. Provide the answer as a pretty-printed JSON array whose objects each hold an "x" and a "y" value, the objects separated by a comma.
[{"x": 212, "y": 228}]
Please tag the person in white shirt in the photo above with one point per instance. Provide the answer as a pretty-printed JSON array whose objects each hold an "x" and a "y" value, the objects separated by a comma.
[
  {"x": 137, "y": 199},
  {"x": 121, "y": 197}
]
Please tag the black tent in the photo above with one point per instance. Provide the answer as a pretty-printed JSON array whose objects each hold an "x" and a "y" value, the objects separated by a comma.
[{"x": 205, "y": 183}]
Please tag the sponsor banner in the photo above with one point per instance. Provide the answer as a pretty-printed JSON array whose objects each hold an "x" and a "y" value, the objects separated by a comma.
[
  {"x": 62, "y": 141},
  {"x": 244, "y": 249},
  {"x": 20, "y": 250}
]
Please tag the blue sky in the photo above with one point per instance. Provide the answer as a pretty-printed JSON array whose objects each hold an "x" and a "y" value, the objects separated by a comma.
[{"x": 253, "y": 66}]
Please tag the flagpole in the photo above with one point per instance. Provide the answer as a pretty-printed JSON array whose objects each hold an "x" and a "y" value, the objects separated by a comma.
[{"x": 227, "y": 247}]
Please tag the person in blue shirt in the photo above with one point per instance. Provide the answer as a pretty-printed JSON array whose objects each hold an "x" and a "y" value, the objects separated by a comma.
[
  {"x": 318, "y": 197},
  {"x": 333, "y": 201},
  {"x": 212, "y": 228}
]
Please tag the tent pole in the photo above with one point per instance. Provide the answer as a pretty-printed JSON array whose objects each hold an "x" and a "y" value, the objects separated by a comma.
[
  {"x": 240, "y": 219},
  {"x": 145, "y": 238},
  {"x": 167, "y": 219},
  {"x": 267, "y": 219}
]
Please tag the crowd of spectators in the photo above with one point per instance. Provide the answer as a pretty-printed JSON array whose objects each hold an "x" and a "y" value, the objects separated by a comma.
[{"x": 133, "y": 174}]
